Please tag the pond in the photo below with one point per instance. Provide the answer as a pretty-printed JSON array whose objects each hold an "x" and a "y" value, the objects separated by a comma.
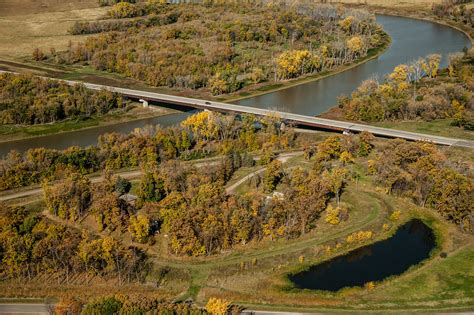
[{"x": 411, "y": 244}]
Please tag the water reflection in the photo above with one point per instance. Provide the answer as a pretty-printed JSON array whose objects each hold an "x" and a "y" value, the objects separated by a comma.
[
  {"x": 411, "y": 39},
  {"x": 411, "y": 244}
]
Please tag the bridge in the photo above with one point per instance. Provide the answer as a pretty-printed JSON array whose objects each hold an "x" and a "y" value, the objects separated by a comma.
[{"x": 300, "y": 120}]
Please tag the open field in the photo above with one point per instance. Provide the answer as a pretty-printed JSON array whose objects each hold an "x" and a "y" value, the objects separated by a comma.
[{"x": 26, "y": 25}]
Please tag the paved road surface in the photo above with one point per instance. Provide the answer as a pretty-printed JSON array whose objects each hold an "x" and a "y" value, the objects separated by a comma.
[
  {"x": 23, "y": 309},
  {"x": 290, "y": 117},
  {"x": 295, "y": 118}
]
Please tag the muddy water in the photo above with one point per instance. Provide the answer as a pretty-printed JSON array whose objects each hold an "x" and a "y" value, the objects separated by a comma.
[{"x": 411, "y": 39}]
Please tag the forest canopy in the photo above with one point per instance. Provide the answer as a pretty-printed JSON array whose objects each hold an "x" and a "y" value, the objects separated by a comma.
[
  {"x": 221, "y": 47},
  {"x": 418, "y": 90},
  {"x": 29, "y": 100}
]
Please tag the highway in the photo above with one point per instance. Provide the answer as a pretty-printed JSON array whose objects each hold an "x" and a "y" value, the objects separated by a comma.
[
  {"x": 300, "y": 120},
  {"x": 297, "y": 119}
]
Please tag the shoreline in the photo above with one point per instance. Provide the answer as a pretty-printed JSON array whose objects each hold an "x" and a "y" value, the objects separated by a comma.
[
  {"x": 316, "y": 77},
  {"x": 286, "y": 85},
  {"x": 100, "y": 125}
]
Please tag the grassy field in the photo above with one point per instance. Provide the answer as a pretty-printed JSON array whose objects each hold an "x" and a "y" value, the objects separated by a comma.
[
  {"x": 441, "y": 127},
  {"x": 25, "y": 25}
]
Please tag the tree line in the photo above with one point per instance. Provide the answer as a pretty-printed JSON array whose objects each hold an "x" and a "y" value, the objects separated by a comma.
[
  {"x": 222, "y": 46},
  {"x": 455, "y": 10},
  {"x": 191, "y": 206},
  {"x": 417, "y": 91},
  {"x": 30, "y": 246},
  {"x": 29, "y": 100},
  {"x": 421, "y": 172},
  {"x": 203, "y": 134}
]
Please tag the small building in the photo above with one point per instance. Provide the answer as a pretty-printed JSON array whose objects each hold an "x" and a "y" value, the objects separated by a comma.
[{"x": 129, "y": 198}]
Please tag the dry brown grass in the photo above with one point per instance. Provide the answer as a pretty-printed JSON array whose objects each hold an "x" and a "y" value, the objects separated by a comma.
[
  {"x": 27, "y": 24},
  {"x": 389, "y": 3}
]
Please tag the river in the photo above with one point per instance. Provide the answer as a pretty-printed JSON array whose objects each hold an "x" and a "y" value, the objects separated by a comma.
[{"x": 410, "y": 39}]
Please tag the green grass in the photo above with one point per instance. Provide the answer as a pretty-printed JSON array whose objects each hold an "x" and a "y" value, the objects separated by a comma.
[
  {"x": 441, "y": 127},
  {"x": 444, "y": 282}
]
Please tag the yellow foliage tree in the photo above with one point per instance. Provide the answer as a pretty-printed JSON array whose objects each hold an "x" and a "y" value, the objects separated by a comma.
[
  {"x": 400, "y": 73},
  {"x": 217, "y": 306},
  {"x": 346, "y": 157},
  {"x": 293, "y": 63},
  {"x": 355, "y": 44},
  {"x": 139, "y": 228},
  {"x": 332, "y": 215},
  {"x": 346, "y": 24},
  {"x": 203, "y": 125},
  {"x": 395, "y": 215}
]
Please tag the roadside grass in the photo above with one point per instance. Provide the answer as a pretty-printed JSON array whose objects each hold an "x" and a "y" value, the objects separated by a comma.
[{"x": 440, "y": 127}]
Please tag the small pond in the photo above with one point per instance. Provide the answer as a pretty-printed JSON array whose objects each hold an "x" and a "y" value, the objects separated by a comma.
[{"x": 411, "y": 244}]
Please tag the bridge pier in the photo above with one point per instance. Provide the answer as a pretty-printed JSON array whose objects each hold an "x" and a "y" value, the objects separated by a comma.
[{"x": 144, "y": 103}]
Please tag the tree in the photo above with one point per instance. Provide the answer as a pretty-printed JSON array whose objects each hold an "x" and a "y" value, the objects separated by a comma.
[
  {"x": 217, "y": 306},
  {"x": 272, "y": 175},
  {"x": 336, "y": 179},
  {"x": 346, "y": 158},
  {"x": 432, "y": 65},
  {"x": 70, "y": 198},
  {"x": 203, "y": 125},
  {"x": 356, "y": 45},
  {"x": 122, "y": 185},
  {"x": 139, "y": 228},
  {"x": 151, "y": 187}
]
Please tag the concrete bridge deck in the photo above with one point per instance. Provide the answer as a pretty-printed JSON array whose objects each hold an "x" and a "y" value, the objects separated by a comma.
[
  {"x": 301, "y": 120},
  {"x": 297, "y": 119}
]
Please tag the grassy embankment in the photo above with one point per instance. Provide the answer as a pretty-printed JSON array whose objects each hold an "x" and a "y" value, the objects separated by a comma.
[{"x": 16, "y": 132}]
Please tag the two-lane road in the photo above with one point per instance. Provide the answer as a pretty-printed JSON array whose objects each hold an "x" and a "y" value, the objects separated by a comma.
[{"x": 301, "y": 120}]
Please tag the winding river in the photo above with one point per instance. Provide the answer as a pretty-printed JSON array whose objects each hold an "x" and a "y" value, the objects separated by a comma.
[{"x": 410, "y": 39}]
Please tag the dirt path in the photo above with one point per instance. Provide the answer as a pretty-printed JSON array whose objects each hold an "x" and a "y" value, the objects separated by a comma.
[
  {"x": 282, "y": 158},
  {"x": 37, "y": 191}
]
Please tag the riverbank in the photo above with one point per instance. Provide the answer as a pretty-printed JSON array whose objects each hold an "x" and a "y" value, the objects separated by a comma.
[
  {"x": 283, "y": 85},
  {"x": 438, "y": 127},
  {"x": 89, "y": 75},
  {"x": 13, "y": 132}
]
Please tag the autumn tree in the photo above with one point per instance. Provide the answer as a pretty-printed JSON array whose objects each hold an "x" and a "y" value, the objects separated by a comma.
[
  {"x": 151, "y": 187},
  {"x": 139, "y": 228},
  {"x": 272, "y": 175},
  {"x": 70, "y": 198}
]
